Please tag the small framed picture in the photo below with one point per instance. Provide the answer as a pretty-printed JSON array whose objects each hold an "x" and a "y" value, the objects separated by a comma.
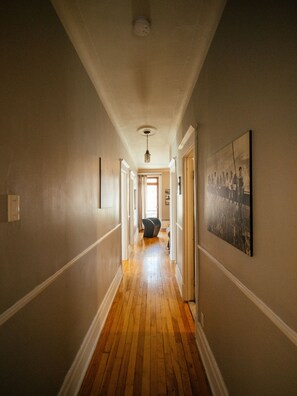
[{"x": 179, "y": 185}]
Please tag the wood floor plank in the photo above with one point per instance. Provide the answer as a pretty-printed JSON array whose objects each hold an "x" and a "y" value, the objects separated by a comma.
[
  {"x": 133, "y": 351},
  {"x": 147, "y": 346},
  {"x": 137, "y": 383},
  {"x": 99, "y": 352},
  {"x": 99, "y": 374}
]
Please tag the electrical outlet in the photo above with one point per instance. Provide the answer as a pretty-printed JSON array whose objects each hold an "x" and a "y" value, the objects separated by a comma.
[{"x": 202, "y": 319}]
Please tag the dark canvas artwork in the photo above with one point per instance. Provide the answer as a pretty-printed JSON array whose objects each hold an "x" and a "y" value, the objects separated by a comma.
[{"x": 228, "y": 194}]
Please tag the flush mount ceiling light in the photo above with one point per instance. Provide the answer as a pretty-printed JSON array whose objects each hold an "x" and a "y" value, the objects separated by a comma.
[{"x": 141, "y": 27}]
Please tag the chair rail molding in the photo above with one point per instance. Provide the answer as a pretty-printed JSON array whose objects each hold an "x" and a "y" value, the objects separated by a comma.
[
  {"x": 278, "y": 322},
  {"x": 21, "y": 303}
]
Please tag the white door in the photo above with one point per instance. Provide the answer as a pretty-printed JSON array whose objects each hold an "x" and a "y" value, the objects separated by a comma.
[
  {"x": 189, "y": 225},
  {"x": 173, "y": 192},
  {"x": 133, "y": 210},
  {"x": 125, "y": 212}
]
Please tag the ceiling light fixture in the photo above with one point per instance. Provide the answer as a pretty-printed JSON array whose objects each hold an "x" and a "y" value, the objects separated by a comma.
[
  {"x": 141, "y": 27},
  {"x": 147, "y": 155}
]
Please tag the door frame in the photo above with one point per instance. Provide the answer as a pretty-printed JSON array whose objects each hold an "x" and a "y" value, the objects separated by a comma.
[
  {"x": 189, "y": 212},
  {"x": 173, "y": 199},
  {"x": 133, "y": 208},
  {"x": 190, "y": 143},
  {"x": 125, "y": 209}
]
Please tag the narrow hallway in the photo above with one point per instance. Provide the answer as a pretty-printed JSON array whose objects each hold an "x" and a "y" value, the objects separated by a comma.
[{"x": 147, "y": 345}]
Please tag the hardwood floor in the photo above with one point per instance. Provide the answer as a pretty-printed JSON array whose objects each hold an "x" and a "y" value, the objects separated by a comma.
[{"x": 147, "y": 346}]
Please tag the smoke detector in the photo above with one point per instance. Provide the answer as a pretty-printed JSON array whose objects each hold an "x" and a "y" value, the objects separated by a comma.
[{"x": 141, "y": 27}]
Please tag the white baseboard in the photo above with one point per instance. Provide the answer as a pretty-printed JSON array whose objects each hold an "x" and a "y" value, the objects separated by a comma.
[
  {"x": 76, "y": 373},
  {"x": 136, "y": 235},
  {"x": 165, "y": 224},
  {"x": 213, "y": 373},
  {"x": 179, "y": 279}
]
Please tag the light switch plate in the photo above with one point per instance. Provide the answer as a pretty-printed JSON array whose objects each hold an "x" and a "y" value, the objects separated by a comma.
[{"x": 13, "y": 205}]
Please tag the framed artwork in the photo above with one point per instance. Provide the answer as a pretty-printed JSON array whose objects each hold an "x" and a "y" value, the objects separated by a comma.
[
  {"x": 179, "y": 185},
  {"x": 105, "y": 186},
  {"x": 99, "y": 185},
  {"x": 229, "y": 193},
  {"x": 167, "y": 196}
]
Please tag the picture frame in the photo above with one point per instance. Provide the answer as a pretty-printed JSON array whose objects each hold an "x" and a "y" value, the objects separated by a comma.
[
  {"x": 228, "y": 186},
  {"x": 105, "y": 184},
  {"x": 167, "y": 196},
  {"x": 99, "y": 184},
  {"x": 179, "y": 185}
]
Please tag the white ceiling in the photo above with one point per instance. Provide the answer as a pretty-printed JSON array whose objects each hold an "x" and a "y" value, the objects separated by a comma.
[{"x": 142, "y": 81}]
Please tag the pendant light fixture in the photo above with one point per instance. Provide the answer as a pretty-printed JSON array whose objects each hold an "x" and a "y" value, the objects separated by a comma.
[
  {"x": 147, "y": 130},
  {"x": 147, "y": 155}
]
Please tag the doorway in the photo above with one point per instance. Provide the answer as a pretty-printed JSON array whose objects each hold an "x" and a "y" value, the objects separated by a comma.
[
  {"x": 152, "y": 196},
  {"x": 189, "y": 227}
]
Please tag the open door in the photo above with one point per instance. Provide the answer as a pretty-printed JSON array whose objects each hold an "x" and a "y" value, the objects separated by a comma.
[
  {"x": 172, "y": 216},
  {"x": 133, "y": 208},
  {"x": 189, "y": 230}
]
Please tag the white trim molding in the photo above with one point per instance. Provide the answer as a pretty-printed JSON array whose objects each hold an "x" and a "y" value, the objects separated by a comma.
[
  {"x": 178, "y": 273},
  {"x": 6, "y": 315},
  {"x": 148, "y": 173},
  {"x": 125, "y": 163},
  {"x": 179, "y": 226},
  {"x": 172, "y": 165},
  {"x": 136, "y": 235},
  {"x": 214, "y": 375},
  {"x": 165, "y": 224},
  {"x": 278, "y": 322},
  {"x": 76, "y": 373},
  {"x": 172, "y": 208},
  {"x": 179, "y": 280},
  {"x": 187, "y": 136}
]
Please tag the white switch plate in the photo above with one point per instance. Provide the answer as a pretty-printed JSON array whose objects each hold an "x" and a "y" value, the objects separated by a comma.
[{"x": 13, "y": 205}]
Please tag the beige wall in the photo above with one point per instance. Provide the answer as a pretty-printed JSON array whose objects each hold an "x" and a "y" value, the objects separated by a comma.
[
  {"x": 53, "y": 130},
  {"x": 249, "y": 82}
]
